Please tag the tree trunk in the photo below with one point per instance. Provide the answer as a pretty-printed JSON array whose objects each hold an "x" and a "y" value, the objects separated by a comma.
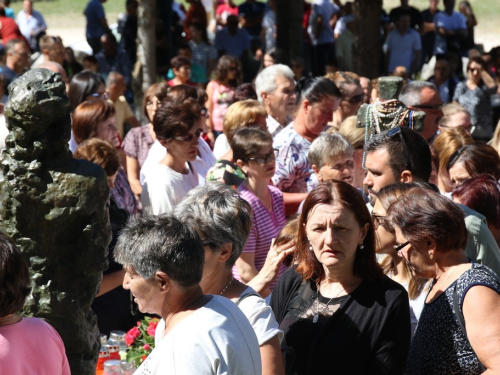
[
  {"x": 289, "y": 41},
  {"x": 367, "y": 47},
  {"x": 147, "y": 45}
]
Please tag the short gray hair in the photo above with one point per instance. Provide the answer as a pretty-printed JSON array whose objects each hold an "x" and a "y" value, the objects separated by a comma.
[
  {"x": 327, "y": 147},
  {"x": 410, "y": 94},
  {"x": 219, "y": 215},
  {"x": 152, "y": 243},
  {"x": 266, "y": 80}
]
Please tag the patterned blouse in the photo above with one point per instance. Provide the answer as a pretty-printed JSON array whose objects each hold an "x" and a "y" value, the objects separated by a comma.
[
  {"x": 226, "y": 172},
  {"x": 440, "y": 345},
  {"x": 137, "y": 143}
]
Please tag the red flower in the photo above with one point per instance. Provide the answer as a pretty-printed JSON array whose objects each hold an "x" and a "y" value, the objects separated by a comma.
[
  {"x": 144, "y": 357},
  {"x": 139, "y": 324},
  {"x": 151, "y": 330},
  {"x": 146, "y": 347},
  {"x": 129, "y": 340},
  {"x": 134, "y": 332}
]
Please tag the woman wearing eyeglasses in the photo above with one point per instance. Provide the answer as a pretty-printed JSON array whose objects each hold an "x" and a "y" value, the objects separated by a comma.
[
  {"x": 351, "y": 99},
  {"x": 177, "y": 128},
  {"x": 474, "y": 95},
  {"x": 394, "y": 265},
  {"x": 254, "y": 154},
  {"x": 459, "y": 330}
]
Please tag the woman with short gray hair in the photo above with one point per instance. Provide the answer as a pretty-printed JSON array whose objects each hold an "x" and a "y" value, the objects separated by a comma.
[
  {"x": 201, "y": 334},
  {"x": 223, "y": 220}
]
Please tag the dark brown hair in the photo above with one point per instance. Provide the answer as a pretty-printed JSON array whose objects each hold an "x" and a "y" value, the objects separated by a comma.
[
  {"x": 222, "y": 69},
  {"x": 331, "y": 192},
  {"x": 15, "y": 284},
  {"x": 477, "y": 158},
  {"x": 87, "y": 116},
  {"x": 178, "y": 62},
  {"x": 174, "y": 119},
  {"x": 248, "y": 142},
  {"x": 158, "y": 90},
  {"x": 99, "y": 152},
  {"x": 180, "y": 93},
  {"x": 422, "y": 213}
]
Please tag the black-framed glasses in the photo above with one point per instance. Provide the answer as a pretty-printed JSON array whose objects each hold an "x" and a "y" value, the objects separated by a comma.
[
  {"x": 395, "y": 131},
  {"x": 261, "y": 159},
  {"x": 355, "y": 99},
  {"x": 377, "y": 220},
  {"x": 397, "y": 248},
  {"x": 435, "y": 108},
  {"x": 189, "y": 138}
]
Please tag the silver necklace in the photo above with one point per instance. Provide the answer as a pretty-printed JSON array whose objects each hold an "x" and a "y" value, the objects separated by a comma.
[
  {"x": 316, "y": 316},
  {"x": 227, "y": 286}
]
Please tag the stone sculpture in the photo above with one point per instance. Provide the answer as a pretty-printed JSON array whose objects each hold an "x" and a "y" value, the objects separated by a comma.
[{"x": 54, "y": 208}]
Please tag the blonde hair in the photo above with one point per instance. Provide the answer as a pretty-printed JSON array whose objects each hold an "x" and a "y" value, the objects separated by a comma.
[
  {"x": 241, "y": 114},
  {"x": 495, "y": 141},
  {"x": 449, "y": 142},
  {"x": 450, "y": 110},
  {"x": 355, "y": 135}
]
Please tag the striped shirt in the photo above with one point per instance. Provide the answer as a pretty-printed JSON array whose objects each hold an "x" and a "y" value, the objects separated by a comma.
[{"x": 266, "y": 226}]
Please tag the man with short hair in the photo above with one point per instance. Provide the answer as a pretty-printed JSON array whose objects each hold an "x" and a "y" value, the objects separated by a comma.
[
  {"x": 52, "y": 49},
  {"x": 416, "y": 20},
  {"x": 443, "y": 80},
  {"x": 455, "y": 116},
  {"x": 31, "y": 23},
  {"x": 451, "y": 30},
  {"x": 111, "y": 58},
  {"x": 96, "y": 24},
  {"x": 232, "y": 40},
  {"x": 115, "y": 87},
  {"x": 275, "y": 87},
  {"x": 424, "y": 96},
  {"x": 401, "y": 155},
  {"x": 18, "y": 59}
]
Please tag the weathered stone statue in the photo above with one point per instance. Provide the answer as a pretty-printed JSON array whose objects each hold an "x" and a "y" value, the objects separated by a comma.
[
  {"x": 388, "y": 112},
  {"x": 54, "y": 208}
]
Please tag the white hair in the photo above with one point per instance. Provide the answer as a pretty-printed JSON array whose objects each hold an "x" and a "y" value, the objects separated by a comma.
[{"x": 266, "y": 80}]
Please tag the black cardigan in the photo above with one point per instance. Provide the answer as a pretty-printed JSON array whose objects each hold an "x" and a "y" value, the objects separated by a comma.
[{"x": 368, "y": 334}]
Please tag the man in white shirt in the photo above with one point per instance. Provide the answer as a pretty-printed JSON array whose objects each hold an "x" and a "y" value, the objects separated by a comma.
[
  {"x": 31, "y": 23},
  {"x": 275, "y": 88}
]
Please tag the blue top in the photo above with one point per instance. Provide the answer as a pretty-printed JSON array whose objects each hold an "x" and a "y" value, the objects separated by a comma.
[
  {"x": 251, "y": 10},
  {"x": 94, "y": 12},
  {"x": 9, "y": 12}
]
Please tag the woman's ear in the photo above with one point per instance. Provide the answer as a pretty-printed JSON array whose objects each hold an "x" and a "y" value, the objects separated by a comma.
[
  {"x": 306, "y": 105},
  {"x": 317, "y": 171},
  {"x": 364, "y": 232},
  {"x": 242, "y": 166},
  {"x": 163, "y": 142}
]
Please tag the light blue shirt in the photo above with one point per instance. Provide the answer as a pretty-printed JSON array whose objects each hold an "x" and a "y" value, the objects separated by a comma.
[
  {"x": 402, "y": 48},
  {"x": 28, "y": 24}
]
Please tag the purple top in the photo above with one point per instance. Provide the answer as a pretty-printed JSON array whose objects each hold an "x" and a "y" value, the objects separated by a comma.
[
  {"x": 137, "y": 143},
  {"x": 122, "y": 193}
]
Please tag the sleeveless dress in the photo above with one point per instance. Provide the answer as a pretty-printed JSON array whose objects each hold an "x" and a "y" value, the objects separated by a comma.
[{"x": 440, "y": 345}]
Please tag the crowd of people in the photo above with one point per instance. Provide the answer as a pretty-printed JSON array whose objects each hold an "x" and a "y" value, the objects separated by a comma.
[{"x": 253, "y": 215}]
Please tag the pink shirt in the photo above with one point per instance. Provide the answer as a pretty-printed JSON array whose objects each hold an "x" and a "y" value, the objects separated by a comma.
[
  {"x": 266, "y": 226},
  {"x": 222, "y": 98},
  {"x": 32, "y": 346}
]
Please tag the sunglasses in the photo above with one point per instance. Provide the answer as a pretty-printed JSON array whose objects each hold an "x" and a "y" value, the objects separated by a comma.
[
  {"x": 397, "y": 131},
  {"x": 355, "y": 99},
  {"x": 265, "y": 158},
  {"x": 397, "y": 248},
  {"x": 189, "y": 138},
  {"x": 435, "y": 108}
]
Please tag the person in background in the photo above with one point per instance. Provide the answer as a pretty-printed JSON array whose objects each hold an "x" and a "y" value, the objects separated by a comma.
[
  {"x": 139, "y": 140},
  {"x": 84, "y": 86},
  {"x": 127, "y": 27},
  {"x": 298, "y": 65},
  {"x": 472, "y": 160},
  {"x": 220, "y": 91},
  {"x": 245, "y": 91},
  {"x": 204, "y": 334},
  {"x": 344, "y": 43},
  {"x": 352, "y": 96},
  {"x": 275, "y": 88},
  {"x": 451, "y": 30},
  {"x": 495, "y": 141},
  {"x": 443, "y": 79},
  {"x": 446, "y": 145},
  {"x": 429, "y": 31},
  {"x": 356, "y": 137},
  {"x": 482, "y": 194},
  {"x": 31, "y": 24},
  {"x": 474, "y": 94},
  {"x": 455, "y": 116},
  {"x": 9, "y": 12},
  {"x": 336, "y": 306},
  {"x": 223, "y": 11},
  {"x": 8, "y": 28},
  {"x": 181, "y": 69},
  {"x": 27, "y": 345},
  {"x": 232, "y": 40},
  {"x": 317, "y": 100},
  {"x": 115, "y": 87},
  {"x": 256, "y": 158},
  {"x": 197, "y": 73},
  {"x": 465, "y": 9},
  {"x": 203, "y": 54},
  {"x": 251, "y": 14},
  {"x": 416, "y": 20},
  {"x": 458, "y": 330},
  {"x": 112, "y": 304},
  {"x": 196, "y": 14},
  {"x": 366, "y": 85},
  {"x": 113, "y": 59},
  {"x": 18, "y": 60},
  {"x": 96, "y": 24},
  {"x": 223, "y": 220},
  {"x": 51, "y": 49},
  {"x": 90, "y": 63},
  {"x": 403, "y": 46},
  {"x": 269, "y": 28}
]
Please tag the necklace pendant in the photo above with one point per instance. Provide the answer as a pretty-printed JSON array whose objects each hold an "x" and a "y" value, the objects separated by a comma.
[{"x": 315, "y": 318}]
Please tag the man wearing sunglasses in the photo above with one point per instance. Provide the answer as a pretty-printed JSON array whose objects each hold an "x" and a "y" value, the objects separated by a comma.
[
  {"x": 401, "y": 155},
  {"x": 424, "y": 96}
]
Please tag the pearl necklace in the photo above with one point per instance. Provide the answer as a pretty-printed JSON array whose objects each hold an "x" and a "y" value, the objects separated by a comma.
[{"x": 227, "y": 286}]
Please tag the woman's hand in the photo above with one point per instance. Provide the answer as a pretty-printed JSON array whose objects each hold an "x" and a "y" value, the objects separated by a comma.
[{"x": 269, "y": 272}]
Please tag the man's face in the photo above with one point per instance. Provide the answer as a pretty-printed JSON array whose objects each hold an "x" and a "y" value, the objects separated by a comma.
[
  {"x": 108, "y": 45},
  {"x": 186, "y": 53},
  {"x": 403, "y": 23},
  {"x": 378, "y": 173},
  {"x": 20, "y": 56},
  {"x": 449, "y": 4},
  {"x": 430, "y": 103},
  {"x": 441, "y": 70},
  {"x": 118, "y": 88},
  {"x": 459, "y": 120},
  {"x": 56, "y": 53},
  {"x": 27, "y": 6},
  {"x": 282, "y": 100}
]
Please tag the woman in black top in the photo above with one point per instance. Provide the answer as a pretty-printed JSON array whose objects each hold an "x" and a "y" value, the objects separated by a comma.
[{"x": 340, "y": 314}]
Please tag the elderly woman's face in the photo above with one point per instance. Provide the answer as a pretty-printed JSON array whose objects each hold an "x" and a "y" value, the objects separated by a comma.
[
  {"x": 416, "y": 256},
  {"x": 334, "y": 234},
  {"x": 145, "y": 291},
  {"x": 340, "y": 168}
]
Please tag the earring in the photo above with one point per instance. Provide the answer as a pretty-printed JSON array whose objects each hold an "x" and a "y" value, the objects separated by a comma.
[
  {"x": 431, "y": 256},
  {"x": 310, "y": 248},
  {"x": 361, "y": 247}
]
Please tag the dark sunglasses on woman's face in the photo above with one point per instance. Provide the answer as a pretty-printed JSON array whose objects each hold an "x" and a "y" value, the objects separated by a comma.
[
  {"x": 261, "y": 159},
  {"x": 189, "y": 138},
  {"x": 355, "y": 99}
]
